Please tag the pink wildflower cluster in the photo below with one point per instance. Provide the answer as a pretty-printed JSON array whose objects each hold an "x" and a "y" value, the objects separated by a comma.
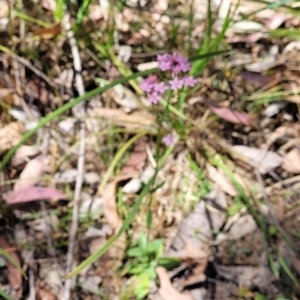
[
  {"x": 176, "y": 66},
  {"x": 169, "y": 140}
]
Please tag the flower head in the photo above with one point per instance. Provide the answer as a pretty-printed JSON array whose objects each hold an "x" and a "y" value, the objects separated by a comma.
[
  {"x": 160, "y": 87},
  {"x": 177, "y": 66},
  {"x": 148, "y": 83},
  {"x": 189, "y": 81},
  {"x": 169, "y": 140},
  {"x": 164, "y": 62},
  {"x": 154, "y": 97},
  {"x": 180, "y": 64},
  {"x": 176, "y": 83}
]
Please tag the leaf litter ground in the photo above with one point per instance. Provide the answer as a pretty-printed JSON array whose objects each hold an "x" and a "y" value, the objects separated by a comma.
[{"x": 243, "y": 115}]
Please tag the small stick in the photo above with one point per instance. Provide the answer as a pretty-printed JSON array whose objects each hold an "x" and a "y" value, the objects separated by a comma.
[
  {"x": 32, "y": 290},
  {"x": 27, "y": 64}
]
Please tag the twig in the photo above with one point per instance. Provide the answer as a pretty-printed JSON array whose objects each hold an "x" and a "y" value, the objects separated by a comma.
[
  {"x": 27, "y": 64},
  {"x": 79, "y": 111},
  {"x": 32, "y": 290}
]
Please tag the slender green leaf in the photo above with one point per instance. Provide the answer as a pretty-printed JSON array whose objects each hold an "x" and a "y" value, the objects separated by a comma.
[{"x": 5, "y": 295}]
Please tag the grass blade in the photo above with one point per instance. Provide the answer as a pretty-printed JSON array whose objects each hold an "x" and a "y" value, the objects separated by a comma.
[{"x": 146, "y": 190}]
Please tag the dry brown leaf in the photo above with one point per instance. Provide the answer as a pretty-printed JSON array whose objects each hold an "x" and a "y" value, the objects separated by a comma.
[
  {"x": 109, "y": 204},
  {"x": 33, "y": 194},
  {"x": 292, "y": 98},
  {"x": 48, "y": 33},
  {"x": 134, "y": 120},
  {"x": 6, "y": 95},
  {"x": 242, "y": 227},
  {"x": 137, "y": 158},
  {"x": 110, "y": 208},
  {"x": 261, "y": 159},
  {"x": 250, "y": 38},
  {"x": 45, "y": 294},
  {"x": 247, "y": 276},
  {"x": 4, "y": 8},
  {"x": 23, "y": 154},
  {"x": 32, "y": 172},
  {"x": 263, "y": 64},
  {"x": 221, "y": 181},
  {"x": 166, "y": 290},
  {"x": 134, "y": 164},
  {"x": 276, "y": 20},
  {"x": 14, "y": 275},
  {"x": 291, "y": 161},
  {"x": 10, "y": 135},
  {"x": 230, "y": 115}
]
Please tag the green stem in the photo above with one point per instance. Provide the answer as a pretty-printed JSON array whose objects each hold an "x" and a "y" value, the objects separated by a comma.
[
  {"x": 166, "y": 110},
  {"x": 51, "y": 116}
]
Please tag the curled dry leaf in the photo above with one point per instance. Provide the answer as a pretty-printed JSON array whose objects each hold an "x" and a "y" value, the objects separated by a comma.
[
  {"x": 49, "y": 33},
  {"x": 133, "y": 165},
  {"x": 10, "y": 135},
  {"x": 276, "y": 20},
  {"x": 246, "y": 26},
  {"x": 23, "y": 154},
  {"x": 250, "y": 38},
  {"x": 45, "y": 294},
  {"x": 14, "y": 274},
  {"x": 6, "y": 93},
  {"x": 230, "y": 115},
  {"x": 32, "y": 172},
  {"x": 95, "y": 240},
  {"x": 137, "y": 158},
  {"x": 263, "y": 64},
  {"x": 265, "y": 161},
  {"x": 220, "y": 179},
  {"x": 33, "y": 194},
  {"x": 247, "y": 276},
  {"x": 134, "y": 120},
  {"x": 242, "y": 227},
  {"x": 110, "y": 206},
  {"x": 291, "y": 161},
  {"x": 166, "y": 290},
  {"x": 294, "y": 45}
]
